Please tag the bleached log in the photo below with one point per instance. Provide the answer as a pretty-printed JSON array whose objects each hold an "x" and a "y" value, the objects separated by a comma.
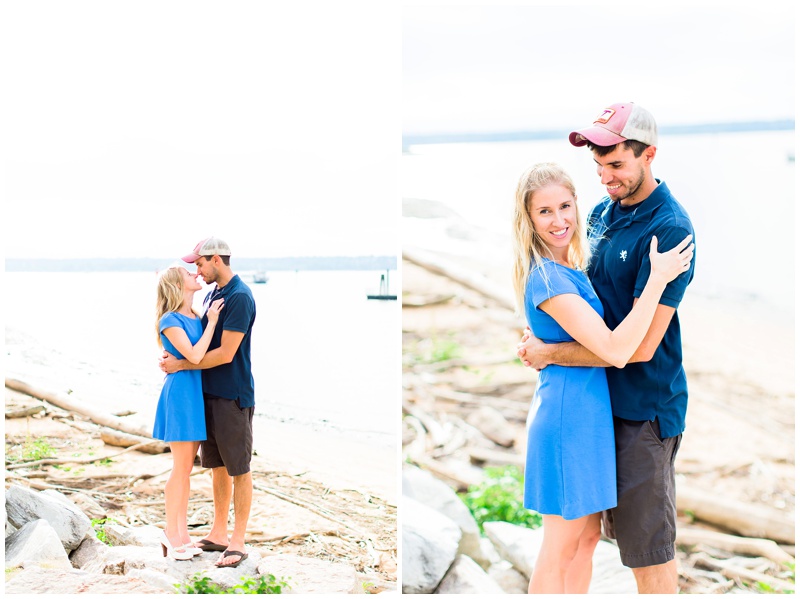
[
  {"x": 740, "y": 573},
  {"x": 67, "y": 403},
  {"x": 741, "y": 545},
  {"x": 481, "y": 456},
  {"x": 120, "y": 439},
  {"x": 23, "y": 412},
  {"x": 493, "y": 425},
  {"x": 462, "y": 276},
  {"x": 747, "y": 519}
]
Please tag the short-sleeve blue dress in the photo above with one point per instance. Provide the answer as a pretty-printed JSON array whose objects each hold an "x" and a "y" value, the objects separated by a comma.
[
  {"x": 180, "y": 415},
  {"x": 570, "y": 467}
]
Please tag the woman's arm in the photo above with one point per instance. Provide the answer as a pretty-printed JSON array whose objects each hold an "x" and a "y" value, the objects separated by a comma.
[
  {"x": 616, "y": 347},
  {"x": 179, "y": 338}
]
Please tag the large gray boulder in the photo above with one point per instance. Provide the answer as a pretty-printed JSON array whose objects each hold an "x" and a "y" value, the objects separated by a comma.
[
  {"x": 67, "y": 582},
  {"x": 430, "y": 544},
  {"x": 465, "y": 577},
  {"x": 426, "y": 488},
  {"x": 516, "y": 544},
  {"x": 70, "y": 523},
  {"x": 306, "y": 575},
  {"x": 36, "y": 543}
]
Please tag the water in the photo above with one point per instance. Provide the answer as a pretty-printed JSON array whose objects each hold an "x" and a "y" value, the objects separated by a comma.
[
  {"x": 737, "y": 187},
  {"x": 323, "y": 355}
]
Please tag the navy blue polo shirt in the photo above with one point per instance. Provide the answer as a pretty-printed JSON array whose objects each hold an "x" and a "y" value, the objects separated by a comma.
[
  {"x": 235, "y": 379},
  {"x": 619, "y": 269}
]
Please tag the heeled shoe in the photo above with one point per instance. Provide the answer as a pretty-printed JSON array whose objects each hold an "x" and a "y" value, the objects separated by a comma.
[
  {"x": 168, "y": 549},
  {"x": 192, "y": 549}
]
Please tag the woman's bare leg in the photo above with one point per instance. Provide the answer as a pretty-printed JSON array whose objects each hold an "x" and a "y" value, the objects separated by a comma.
[
  {"x": 559, "y": 547},
  {"x": 579, "y": 574},
  {"x": 176, "y": 491}
]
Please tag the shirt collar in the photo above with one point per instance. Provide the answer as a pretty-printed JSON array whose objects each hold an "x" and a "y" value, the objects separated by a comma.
[{"x": 642, "y": 211}]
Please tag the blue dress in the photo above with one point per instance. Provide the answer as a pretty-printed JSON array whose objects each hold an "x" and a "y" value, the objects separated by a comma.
[
  {"x": 570, "y": 467},
  {"x": 180, "y": 415}
]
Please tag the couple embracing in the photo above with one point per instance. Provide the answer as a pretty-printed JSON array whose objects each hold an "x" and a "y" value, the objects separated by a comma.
[
  {"x": 208, "y": 399},
  {"x": 608, "y": 415}
]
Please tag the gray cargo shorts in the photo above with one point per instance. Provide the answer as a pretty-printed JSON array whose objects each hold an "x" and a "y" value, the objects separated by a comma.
[{"x": 644, "y": 521}]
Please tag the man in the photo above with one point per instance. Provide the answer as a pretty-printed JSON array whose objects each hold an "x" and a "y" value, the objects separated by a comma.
[
  {"x": 229, "y": 396},
  {"x": 649, "y": 395}
]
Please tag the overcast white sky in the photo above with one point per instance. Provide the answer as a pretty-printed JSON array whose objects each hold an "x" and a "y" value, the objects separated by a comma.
[
  {"x": 498, "y": 68},
  {"x": 138, "y": 128}
]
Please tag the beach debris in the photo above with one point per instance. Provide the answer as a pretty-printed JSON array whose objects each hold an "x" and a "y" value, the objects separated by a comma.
[{"x": 74, "y": 405}]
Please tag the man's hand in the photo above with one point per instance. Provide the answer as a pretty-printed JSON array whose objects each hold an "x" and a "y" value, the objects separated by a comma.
[
  {"x": 531, "y": 351},
  {"x": 169, "y": 363}
]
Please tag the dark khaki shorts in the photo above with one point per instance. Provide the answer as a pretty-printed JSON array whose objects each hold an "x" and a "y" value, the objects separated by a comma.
[
  {"x": 229, "y": 436},
  {"x": 644, "y": 521}
]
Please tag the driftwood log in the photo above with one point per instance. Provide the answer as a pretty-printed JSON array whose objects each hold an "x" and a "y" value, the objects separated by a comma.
[
  {"x": 747, "y": 519},
  {"x": 744, "y": 546},
  {"x": 71, "y": 405},
  {"x": 463, "y": 276},
  {"x": 120, "y": 439}
]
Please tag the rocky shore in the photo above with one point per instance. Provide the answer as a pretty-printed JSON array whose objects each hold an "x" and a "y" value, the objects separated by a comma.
[{"x": 83, "y": 516}]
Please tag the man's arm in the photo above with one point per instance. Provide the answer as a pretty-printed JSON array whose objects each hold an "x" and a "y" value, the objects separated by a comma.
[
  {"x": 221, "y": 355},
  {"x": 537, "y": 354}
]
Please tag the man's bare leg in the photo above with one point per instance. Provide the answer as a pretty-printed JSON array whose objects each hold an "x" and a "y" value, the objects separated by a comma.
[
  {"x": 662, "y": 578},
  {"x": 242, "y": 500},
  {"x": 222, "y": 487}
]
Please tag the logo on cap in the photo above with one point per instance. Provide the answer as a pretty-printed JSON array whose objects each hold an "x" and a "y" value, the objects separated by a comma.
[{"x": 605, "y": 116}]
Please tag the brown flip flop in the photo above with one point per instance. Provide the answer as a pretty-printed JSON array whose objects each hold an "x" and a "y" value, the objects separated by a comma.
[
  {"x": 207, "y": 545},
  {"x": 234, "y": 564}
]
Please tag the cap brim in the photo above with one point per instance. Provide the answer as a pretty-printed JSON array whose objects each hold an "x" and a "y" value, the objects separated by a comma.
[
  {"x": 597, "y": 135},
  {"x": 191, "y": 258}
]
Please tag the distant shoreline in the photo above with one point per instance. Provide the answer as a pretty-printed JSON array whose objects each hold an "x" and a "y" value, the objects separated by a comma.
[
  {"x": 500, "y": 136},
  {"x": 305, "y": 263}
]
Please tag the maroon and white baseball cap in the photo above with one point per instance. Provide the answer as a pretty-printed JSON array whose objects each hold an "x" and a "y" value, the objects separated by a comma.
[
  {"x": 618, "y": 123},
  {"x": 208, "y": 247}
]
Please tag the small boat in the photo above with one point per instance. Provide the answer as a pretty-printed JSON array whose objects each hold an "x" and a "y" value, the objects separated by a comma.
[
  {"x": 260, "y": 277},
  {"x": 383, "y": 292}
]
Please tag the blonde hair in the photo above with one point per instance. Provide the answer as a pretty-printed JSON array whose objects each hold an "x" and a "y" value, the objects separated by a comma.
[
  {"x": 169, "y": 297},
  {"x": 529, "y": 248}
]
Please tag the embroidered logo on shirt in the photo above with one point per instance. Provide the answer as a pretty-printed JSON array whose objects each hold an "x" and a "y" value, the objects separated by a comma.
[{"x": 623, "y": 254}]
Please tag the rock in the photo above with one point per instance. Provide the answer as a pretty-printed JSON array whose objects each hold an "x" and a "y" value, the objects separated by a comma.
[
  {"x": 430, "y": 543},
  {"x": 467, "y": 577},
  {"x": 130, "y": 560},
  {"x": 493, "y": 425},
  {"x": 140, "y": 536},
  {"x": 36, "y": 543},
  {"x": 306, "y": 575},
  {"x": 426, "y": 488},
  {"x": 516, "y": 544},
  {"x": 90, "y": 550},
  {"x": 67, "y": 582},
  {"x": 69, "y": 522},
  {"x": 508, "y": 578},
  {"x": 87, "y": 504}
]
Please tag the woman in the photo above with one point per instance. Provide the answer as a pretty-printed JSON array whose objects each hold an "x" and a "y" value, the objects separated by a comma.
[
  {"x": 180, "y": 416},
  {"x": 570, "y": 474}
]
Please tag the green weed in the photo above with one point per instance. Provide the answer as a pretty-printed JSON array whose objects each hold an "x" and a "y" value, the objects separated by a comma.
[
  {"x": 498, "y": 498},
  {"x": 199, "y": 584}
]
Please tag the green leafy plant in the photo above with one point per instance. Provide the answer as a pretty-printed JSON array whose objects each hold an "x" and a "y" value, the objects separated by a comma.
[
  {"x": 498, "y": 498},
  {"x": 200, "y": 584},
  {"x": 99, "y": 531}
]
